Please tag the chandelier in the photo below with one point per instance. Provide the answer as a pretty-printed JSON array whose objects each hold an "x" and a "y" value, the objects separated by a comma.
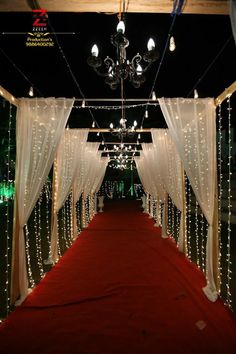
[
  {"x": 122, "y": 131},
  {"x": 121, "y": 68}
]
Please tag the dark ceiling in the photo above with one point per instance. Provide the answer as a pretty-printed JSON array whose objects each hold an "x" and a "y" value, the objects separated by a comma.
[{"x": 205, "y": 57}]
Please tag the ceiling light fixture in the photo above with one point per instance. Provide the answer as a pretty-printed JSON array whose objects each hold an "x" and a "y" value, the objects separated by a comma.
[
  {"x": 172, "y": 45},
  {"x": 121, "y": 68},
  {"x": 31, "y": 91}
]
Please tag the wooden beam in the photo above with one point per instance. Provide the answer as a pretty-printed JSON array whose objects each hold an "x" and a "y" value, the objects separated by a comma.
[
  {"x": 225, "y": 94},
  {"x": 107, "y": 130},
  {"x": 8, "y": 96},
  {"x": 208, "y": 7}
]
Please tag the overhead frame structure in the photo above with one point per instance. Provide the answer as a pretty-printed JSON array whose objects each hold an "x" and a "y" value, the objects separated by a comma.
[{"x": 207, "y": 7}]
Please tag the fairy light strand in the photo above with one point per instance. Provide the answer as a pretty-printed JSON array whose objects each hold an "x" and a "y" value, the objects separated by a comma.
[
  {"x": 47, "y": 195},
  {"x": 27, "y": 249},
  {"x": 7, "y": 214},
  {"x": 228, "y": 255},
  {"x": 189, "y": 220},
  {"x": 197, "y": 235},
  {"x": 169, "y": 216},
  {"x": 220, "y": 190},
  {"x": 203, "y": 256}
]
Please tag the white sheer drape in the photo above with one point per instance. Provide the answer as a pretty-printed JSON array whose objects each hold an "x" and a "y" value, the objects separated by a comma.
[
  {"x": 101, "y": 170},
  {"x": 171, "y": 173},
  {"x": 90, "y": 161},
  {"x": 154, "y": 171},
  {"x": 40, "y": 125},
  {"x": 192, "y": 127},
  {"x": 65, "y": 169},
  {"x": 85, "y": 161}
]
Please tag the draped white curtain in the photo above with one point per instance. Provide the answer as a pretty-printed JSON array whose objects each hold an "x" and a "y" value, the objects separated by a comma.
[
  {"x": 65, "y": 169},
  {"x": 90, "y": 163},
  {"x": 84, "y": 165},
  {"x": 154, "y": 171},
  {"x": 40, "y": 123},
  {"x": 101, "y": 170},
  {"x": 171, "y": 172},
  {"x": 192, "y": 127}
]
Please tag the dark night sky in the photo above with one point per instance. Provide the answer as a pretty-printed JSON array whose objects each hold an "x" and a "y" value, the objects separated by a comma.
[{"x": 199, "y": 38}]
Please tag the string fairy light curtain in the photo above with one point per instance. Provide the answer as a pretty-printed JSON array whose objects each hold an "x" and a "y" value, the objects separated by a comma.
[
  {"x": 192, "y": 127},
  {"x": 146, "y": 174},
  {"x": 154, "y": 172},
  {"x": 149, "y": 170},
  {"x": 103, "y": 162},
  {"x": 65, "y": 169},
  {"x": 90, "y": 167},
  {"x": 84, "y": 165},
  {"x": 96, "y": 174},
  {"x": 168, "y": 161},
  {"x": 40, "y": 125}
]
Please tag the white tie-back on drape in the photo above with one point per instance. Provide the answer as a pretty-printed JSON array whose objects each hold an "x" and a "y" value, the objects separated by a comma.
[
  {"x": 40, "y": 123},
  {"x": 66, "y": 164},
  {"x": 168, "y": 161},
  {"x": 192, "y": 126}
]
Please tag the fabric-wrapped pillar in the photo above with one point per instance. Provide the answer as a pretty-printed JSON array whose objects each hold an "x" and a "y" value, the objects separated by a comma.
[
  {"x": 40, "y": 123},
  {"x": 192, "y": 126}
]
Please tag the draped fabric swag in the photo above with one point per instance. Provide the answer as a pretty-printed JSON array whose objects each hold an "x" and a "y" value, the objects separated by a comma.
[
  {"x": 150, "y": 175},
  {"x": 65, "y": 170},
  {"x": 172, "y": 175},
  {"x": 192, "y": 127},
  {"x": 40, "y": 123}
]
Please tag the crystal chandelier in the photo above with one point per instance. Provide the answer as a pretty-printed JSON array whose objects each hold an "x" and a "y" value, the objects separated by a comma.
[
  {"x": 121, "y": 68},
  {"x": 123, "y": 131}
]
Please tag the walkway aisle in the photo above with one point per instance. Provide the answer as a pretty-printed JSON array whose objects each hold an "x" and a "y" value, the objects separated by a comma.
[{"x": 120, "y": 289}]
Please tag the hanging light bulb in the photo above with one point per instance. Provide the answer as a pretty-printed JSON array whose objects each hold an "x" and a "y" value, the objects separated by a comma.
[
  {"x": 122, "y": 121},
  {"x": 130, "y": 147},
  {"x": 83, "y": 103},
  {"x": 139, "y": 69},
  {"x": 153, "y": 96},
  {"x": 94, "y": 50},
  {"x": 93, "y": 124},
  {"x": 150, "y": 45},
  {"x": 122, "y": 145},
  {"x": 172, "y": 44},
  {"x": 31, "y": 91},
  {"x": 98, "y": 134},
  {"x": 135, "y": 123},
  {"x": 195, "y": 94},
  {"x": 139, "y": 136},
  {"x": 121, "y": 27},
  {"x": 103, "y": 142},
  {"x": 111, "y": 126},
  {"x": 110, "y": 72},
  {"x": 146, "y": 113}
]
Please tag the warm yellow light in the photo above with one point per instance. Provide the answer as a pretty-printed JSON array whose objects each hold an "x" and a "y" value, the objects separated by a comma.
[
  {"x": 172, "y": 44},
  {"x": 151, "y": 44},
  {"x": 94, "y": 50},
  {"x": 121, "y": 27}
]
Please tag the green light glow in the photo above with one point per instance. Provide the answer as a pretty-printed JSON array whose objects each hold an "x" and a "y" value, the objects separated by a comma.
[{"x": 6, "y": 190}]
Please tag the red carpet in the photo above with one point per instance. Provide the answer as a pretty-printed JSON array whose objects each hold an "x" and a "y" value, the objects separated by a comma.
[{"x": 120, "y": 289}]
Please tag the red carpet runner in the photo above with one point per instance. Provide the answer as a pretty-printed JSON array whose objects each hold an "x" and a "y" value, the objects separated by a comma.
[{"x": 120, "y": 289}]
